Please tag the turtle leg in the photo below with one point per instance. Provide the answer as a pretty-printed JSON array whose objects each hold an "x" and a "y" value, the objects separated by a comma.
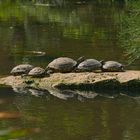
[
  {"x": 23, "y": 75},
  {"x": 122, "y": 69},
  {"x": 75, "y": 69},
  {"x": 102, "y": 69},
  {"x": 49, "y": 72}
]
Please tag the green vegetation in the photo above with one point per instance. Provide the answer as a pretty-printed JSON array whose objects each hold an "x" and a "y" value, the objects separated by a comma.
[{"x": 130, "y": 31}]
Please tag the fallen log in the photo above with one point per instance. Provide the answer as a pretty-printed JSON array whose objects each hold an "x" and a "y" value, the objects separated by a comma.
[{"x": 129, "y": 80}]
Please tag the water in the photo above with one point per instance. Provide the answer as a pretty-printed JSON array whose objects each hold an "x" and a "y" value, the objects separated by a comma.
[
  {"x": 36, "y": 34},
  {"x": 78, "y": 118},
  {"x": 89, "y": 29}
]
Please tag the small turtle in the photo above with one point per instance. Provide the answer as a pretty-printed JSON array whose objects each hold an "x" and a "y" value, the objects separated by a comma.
[
  {"x": 37, "y": 72},
  {"x": 112, "y": 66},
  {"x": 61, "y": 64},
  {"x": 89, "y": 65},
  {"x": 21, "y": 69}
]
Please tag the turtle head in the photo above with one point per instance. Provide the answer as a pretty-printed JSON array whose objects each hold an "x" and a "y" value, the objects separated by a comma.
[
  {"x": 102, "y": 62},
  {"x": 80, "y": 59},
  {"x": 122, "y": 68},
  {"x": 48, "y": 71}
]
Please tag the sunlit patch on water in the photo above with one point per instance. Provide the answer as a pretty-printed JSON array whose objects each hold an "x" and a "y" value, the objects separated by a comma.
[{"x": 9, "y": 115}]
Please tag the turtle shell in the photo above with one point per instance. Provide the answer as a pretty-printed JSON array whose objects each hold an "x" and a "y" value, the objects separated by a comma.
[
  {"x": 21, "y": 69},
  {"x": 89, "y": 65},
  {"x": 37, "y": 72},
  {"x": 112, "y": 66},
  {"x": 62, "y": 64}
]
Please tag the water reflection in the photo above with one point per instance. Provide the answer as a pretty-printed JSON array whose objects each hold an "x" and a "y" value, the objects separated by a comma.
[
  {"x": 87, "y": 94},
  {"x": 5, "y": 101},
  {"x": 38, "y": 34},
  {"x": 22, "y": 90},
  {"x": 62, "y": 94},
  {"x": 15, "y": 133},
  {"x": 97, "y": 117},
  {"x": 9, "y": 115},
  {"x": 80, "y": 95}
]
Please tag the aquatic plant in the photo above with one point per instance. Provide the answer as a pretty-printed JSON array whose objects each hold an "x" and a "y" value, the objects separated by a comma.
[{"x": 130, "y": 31}]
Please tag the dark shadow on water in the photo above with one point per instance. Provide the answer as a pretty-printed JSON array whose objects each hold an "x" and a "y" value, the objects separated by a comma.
[{"x": 6, "y": 92}]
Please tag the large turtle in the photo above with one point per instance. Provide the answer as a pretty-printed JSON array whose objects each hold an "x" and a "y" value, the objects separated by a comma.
[
  {"x": 21, "y": 69},
  {"x": 61, "y": 64},
  {"x": 37, "y": 72},
  {"x": 112, "y": 66},
  {"x": 89, "y": 65}
]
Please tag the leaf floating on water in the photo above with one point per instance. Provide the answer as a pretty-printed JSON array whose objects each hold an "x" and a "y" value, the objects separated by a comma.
[
  {"x": 80, "y": 2},
  {"x": 33, "y": 53},
  {"x": 46, "y": 5},
  {"x": 9, "y": 115},
  {"x": 40, "y": 53}
]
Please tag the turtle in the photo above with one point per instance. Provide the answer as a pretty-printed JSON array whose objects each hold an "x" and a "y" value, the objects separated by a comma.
[
  {"x": 89, "y": 65},
  {"x": 112, "y": 66},
  {"x": 21, "y": 69},
  {"x": 61, "y": 64},
  {"x": 37, "y": 72}
]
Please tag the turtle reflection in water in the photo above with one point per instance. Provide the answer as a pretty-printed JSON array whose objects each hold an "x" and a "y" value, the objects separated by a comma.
[
  {"x": 62, "y": 94},
  {"x": 39, "y": 93},
  {"x": 31, "y": 91}
]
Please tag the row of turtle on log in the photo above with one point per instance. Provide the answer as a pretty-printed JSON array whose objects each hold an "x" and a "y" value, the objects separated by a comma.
[{"x": 65, "y": 65}]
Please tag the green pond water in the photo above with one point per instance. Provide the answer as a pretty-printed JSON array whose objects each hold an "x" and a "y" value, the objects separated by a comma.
[{"x": 37, "y": 32}]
